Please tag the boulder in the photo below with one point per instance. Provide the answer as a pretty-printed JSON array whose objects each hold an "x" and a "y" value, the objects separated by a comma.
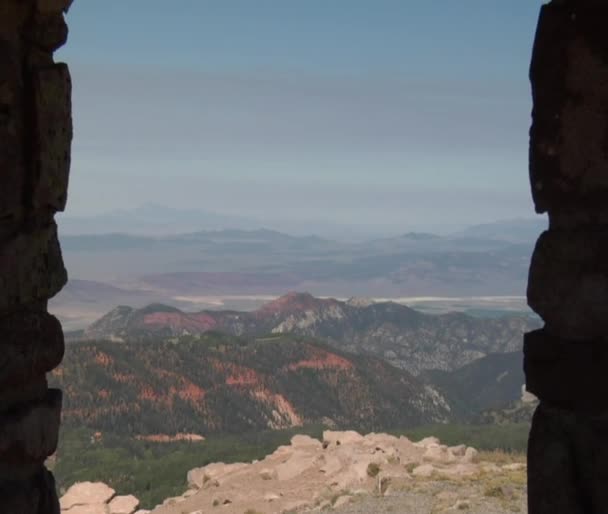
[
  {"x": 123, "y": 504},
  {"x": 345, "y": 437},
  {"x": 438, "y": 453},
  {"x": 331, "y": 465},
  {"x": 198, "y": 477},
  {"x": 345, "y": 480},
  {"x": 297, "y": 464},
  {"x": 342, "y": 500},
  {"x": 427, "y": 441},
  {"x": 458, "y": 451},
  {"x": 268, "y": 474},
  {"x": 304, "y": 441},
  {"x": 424, "y": 471},
  {"x": 86, "y": 493},
  {"x": 271, "y": 497},
  {"x": 470, "y": 455},
  {"x": 97, "y": 508}
]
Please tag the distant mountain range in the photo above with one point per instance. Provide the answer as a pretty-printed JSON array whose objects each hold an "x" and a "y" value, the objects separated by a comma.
[
  {"x": 218, "y": 383},
  {"x": 404, "y": 337},
  {"x": 490, "y": 260},
  {"x": 153, "y": 220}
]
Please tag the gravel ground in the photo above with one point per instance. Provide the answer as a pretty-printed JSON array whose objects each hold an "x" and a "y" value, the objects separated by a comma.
[{"x": 440, "y": 497}]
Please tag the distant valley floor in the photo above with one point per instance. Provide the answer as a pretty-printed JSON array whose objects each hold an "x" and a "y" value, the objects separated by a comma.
[{"x": 82, "y": 302}]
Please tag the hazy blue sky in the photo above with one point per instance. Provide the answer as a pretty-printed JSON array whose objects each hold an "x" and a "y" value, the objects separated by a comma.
[{"x": 397, "y": 112}]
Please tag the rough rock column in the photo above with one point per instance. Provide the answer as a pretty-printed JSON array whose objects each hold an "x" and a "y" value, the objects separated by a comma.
[
  {"x": 35, "y": 139},
  {"x": 566, "y": 362}
]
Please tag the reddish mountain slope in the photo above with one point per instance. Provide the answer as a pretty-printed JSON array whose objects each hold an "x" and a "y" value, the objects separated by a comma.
[
  {"x": 220, "y": 384},
  {"x": 406, "y": 338}
]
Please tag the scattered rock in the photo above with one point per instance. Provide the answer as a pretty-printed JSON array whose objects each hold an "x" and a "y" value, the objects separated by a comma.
[{"x": 307, "y": 475}]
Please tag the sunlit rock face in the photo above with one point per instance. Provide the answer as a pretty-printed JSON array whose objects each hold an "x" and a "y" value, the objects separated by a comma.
[
  {"x": 35, "y": 139},
  {"x": 565, "y": 361}
]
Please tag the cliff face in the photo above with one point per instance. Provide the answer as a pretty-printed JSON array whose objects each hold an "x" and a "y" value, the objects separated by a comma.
[
  {"x": 406, "y": 338},
  {"x": 219, "y": 383}
]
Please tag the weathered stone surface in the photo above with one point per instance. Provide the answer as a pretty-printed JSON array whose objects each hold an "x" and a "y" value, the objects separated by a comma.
[
  {"x": 31, "y": 433},
  {"x": 297, "y": 464},
  {"x": 123, "y": 504},
  {"x": 31, "y": 344},
  {"x": 13, "y": 15},
  {"x": 566, "y": 462},
  {"x": 35, "y": 495},
  {"x": 569, "y": 135},
  {"x": 32, "y": 268},
  {"x": 52, "y": 93},
  {"x": 53, "y": 6},
  {"x": 568, "y": 284},
  {"x": 86, "y": 493},
  {"x": 567, "y": 374},
  {"x": 13, "y": 396},
  {"x": 32, "y": 97},
  {"x": 11, "y": 126},
  {"x": 49, "y": 31}
]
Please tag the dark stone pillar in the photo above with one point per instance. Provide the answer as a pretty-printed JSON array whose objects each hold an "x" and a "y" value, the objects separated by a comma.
[
  {"x": 35, "y": 139},
  {"x": 566, "y": 362}
]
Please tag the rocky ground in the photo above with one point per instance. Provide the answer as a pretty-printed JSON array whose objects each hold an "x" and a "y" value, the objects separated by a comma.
[{"x": 346, "y": 472}]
